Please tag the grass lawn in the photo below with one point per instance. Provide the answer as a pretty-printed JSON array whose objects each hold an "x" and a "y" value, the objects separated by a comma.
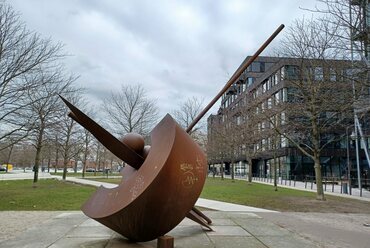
[
  {"x": 264, "y": 196},
  {"x": 49, "y": 194}
]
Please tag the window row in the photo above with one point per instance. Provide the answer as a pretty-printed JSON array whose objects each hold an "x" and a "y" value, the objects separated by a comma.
[{"x": 268, "y": 144}]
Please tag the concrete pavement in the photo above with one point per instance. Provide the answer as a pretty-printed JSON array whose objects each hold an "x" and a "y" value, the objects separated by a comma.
[
  {"x": 231, "y": 230},
  {"x": 234, "y": 226}
]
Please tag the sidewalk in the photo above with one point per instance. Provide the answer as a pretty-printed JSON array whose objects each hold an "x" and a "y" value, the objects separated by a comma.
[
  {"x": 310, "y": 187},
  {"x": 23, "y": 175},
  {"x": 231, "y": 230},
  {"x": 239, "y": 226}
]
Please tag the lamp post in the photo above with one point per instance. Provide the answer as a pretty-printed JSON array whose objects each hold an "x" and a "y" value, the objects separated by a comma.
[
  {"x": 348, "y": 163},
  {"x": 354, "y": 137}
]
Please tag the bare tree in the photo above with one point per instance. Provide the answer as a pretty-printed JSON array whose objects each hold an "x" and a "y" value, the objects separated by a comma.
[
  {"x": 87, "y": 139},
  {"x": 319, "y": 96},
  {"x": 71, "y": 135},
  {"x": 187, "y": 111},
  {"x": 45, "y": 107},
  {"x": 23, "y": 53},
  {"x": 250, "y": 130},
  {"x": 130, "y": 110}
]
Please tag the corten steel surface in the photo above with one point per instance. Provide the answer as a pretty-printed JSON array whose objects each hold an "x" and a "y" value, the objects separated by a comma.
[
  {"x": 152, "y": 200},
  {"x": 156, "y": 195},
  {"x": 162, "y": 183}
]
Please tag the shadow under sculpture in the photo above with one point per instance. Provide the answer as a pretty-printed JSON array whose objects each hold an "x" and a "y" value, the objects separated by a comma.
[{"x": 156, "y": 192}]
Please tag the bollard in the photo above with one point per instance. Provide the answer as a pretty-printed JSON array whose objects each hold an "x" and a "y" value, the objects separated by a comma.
[{"x": 165, "y": 242}]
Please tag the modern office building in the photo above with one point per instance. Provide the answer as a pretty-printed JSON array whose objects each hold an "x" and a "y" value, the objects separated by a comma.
[{"x": 267, "y": 105}]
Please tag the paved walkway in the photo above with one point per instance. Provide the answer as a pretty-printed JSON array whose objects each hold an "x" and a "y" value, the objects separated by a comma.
[
  {"x": 238, "y": 226},
  {"x": 231, "y": 230}
]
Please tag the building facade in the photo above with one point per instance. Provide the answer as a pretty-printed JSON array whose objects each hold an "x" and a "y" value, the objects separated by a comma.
[{"x": 269, "y": 110}]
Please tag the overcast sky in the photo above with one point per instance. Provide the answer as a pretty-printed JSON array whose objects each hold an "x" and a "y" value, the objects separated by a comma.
[{"x": 175, "y": 49}]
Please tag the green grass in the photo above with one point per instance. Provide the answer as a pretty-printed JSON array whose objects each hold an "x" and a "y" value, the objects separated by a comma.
[
  {"x": 264, "y": 196},
  {"x": 50, "y": 194},
  {"x": 47, "y": 195}
]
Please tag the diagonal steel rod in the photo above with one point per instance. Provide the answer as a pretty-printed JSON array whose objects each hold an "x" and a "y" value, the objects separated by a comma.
[
  {"x": 234, "y": 77},
  {"x": 118, "y": 148}
]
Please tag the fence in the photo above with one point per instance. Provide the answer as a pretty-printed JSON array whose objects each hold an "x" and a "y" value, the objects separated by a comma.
[{"x": 330, "y": 184}]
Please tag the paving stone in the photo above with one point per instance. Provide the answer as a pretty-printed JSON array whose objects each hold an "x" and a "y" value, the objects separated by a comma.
[
  {"x": 124, "y": 243},
  {"x": 228, "y": 231},
  {"x": 292, "y": 241},
  {"x": 187, "y": 222},
  {"x": 80, "y": 242},
  {"x": 261, "y": 227},
  {"x": 222, "y": 222},
  {"x": 91, "y": 222},
  {"x": 199, "y": 240},
  {"x": 242, "y": 215},
  {"x": 43, "y": 235},
  {"x": 72, "y": 215},
  {"x": 236, "y": 242},
  {"x": 90, "y": 231},
  {"x": 186, "y": 231}
]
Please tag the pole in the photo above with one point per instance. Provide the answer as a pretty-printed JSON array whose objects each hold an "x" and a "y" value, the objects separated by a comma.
[
  {"x": 358, "y": 162},
  {"x": 234, "y": 77},
  {"x": 354, "y": 114},
  {"x": 348, "y": 164}
]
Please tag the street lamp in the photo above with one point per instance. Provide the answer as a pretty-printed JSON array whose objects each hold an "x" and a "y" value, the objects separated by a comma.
[
  {"x": 354, "y": 137},
  {"x": 348, "y": 163}
]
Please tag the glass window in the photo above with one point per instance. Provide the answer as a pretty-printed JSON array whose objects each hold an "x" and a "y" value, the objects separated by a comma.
[
  {"x": 282, "y": 73},
  {"x": 318, "y": 74},
  {"x": 282, "y": 118},
  {"x": 333, "y": 75},
  {"x": 250, "y": 81},
  {"x": 277, "y": 98},
  {"x": 276, "y": 79},
  {"x": 291, "y": 72},
  {"x": 284, "y": 142},
  {"x": 264, "y": 87},
  {"x": 256, "y": 67},
  {"x": 269, "y": 103},
  {"x": 285, "y": 95}
]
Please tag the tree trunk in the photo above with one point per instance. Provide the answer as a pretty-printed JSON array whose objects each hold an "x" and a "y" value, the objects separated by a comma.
[
  {"x": 49, "y": 162},
  {"x": 222, "y": 171},
  {"x": 232, "y": 171},
  {"x": 275, "y": 172},
  {"x": 275, "y": 165},
  {"x": 65, "y": 169},
  {"x": 249, "y": 170},
  {"x": 37, "y": 157},
  {"x": 8, "y": 159},
  {"x": 56, "y": 160},
  {"x": 65, "y": 158},
  {"x": 318, "y": 176},
  {"x": 84, "y": 162}
]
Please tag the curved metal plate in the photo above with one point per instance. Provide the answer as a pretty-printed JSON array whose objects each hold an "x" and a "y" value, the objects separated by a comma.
[{"x": 152, "y": 200}]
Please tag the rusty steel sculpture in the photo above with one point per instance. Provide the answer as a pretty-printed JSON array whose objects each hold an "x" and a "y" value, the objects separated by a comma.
[{"x": 160, "y": 186}]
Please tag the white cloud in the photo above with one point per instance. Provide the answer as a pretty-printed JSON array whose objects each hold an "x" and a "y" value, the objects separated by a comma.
[{"x": 176, "y": 49}]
